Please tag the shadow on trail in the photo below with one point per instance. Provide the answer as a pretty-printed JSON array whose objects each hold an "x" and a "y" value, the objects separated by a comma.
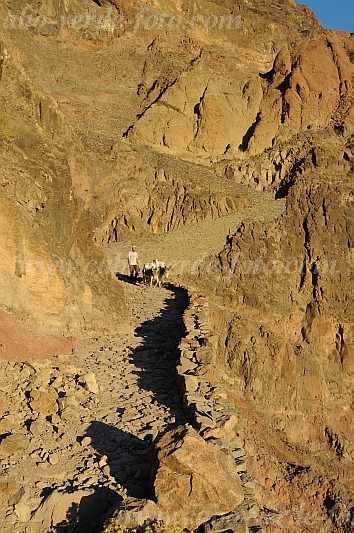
[
  {"x": 158, "y": 354},
  {"x": 126, "y": 457},
  {"x": 89, "y": 514},
  {"x": 127, "y": 279}
]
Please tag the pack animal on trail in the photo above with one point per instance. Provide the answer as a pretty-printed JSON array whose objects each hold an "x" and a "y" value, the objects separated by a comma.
[
  {"x": 155, "y": 273},
  {"x": 163, "y": 273},
  {"x": 148, "y": 274}
]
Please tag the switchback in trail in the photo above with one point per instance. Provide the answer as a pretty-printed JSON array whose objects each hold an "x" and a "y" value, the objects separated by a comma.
[{"x": 193, "y": 242}]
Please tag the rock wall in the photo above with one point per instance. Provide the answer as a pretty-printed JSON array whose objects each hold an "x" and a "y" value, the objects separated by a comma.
[
  {"x": 215, "y": 416},
  {"x": 162, "y": 197},
  {"x": 292, "y": 282},
  {"x": 277, "y": 472}
]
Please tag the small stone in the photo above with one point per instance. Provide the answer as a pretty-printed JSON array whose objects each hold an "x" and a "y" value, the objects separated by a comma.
[
  {"x": 204, "y": 422},
  {"x": 70, "y": 414},
  {"x": 103, "y": 461},
  {"x": 11, "y": 490},
  {"x": 231, "y": 423},
  {"x": 5, "y": 425},
  {"x": 13, "y": 444},
  {"x": 90, "y": 383},
  {"x": 269, "y": 483},
  {"x": 67, "y": 401},
  {"x": 53, "y": 459},
  {"x": 241, "y": 467},
  {"x": 38, "y": 427},
  {"x": 11, "y": 520},
  {"x": 44, "y": 402},
  {"x": 238, "y": 453},
  {"x": 191, "y": 383},
  {"x": 35, "y": 456},
  {"x": 55, "y": 419},
  {"x": 216, "y": 433},
  {"x": 254, "y": 512},
  {"x": 186, "y": 365},
  {"x": 86, "y": 441},
  {"x": 237, "y": 442},
  {"x": 106, "y": 471}
]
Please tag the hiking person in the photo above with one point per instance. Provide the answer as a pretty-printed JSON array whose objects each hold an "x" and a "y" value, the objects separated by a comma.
[{"x": 133, "y": 262}]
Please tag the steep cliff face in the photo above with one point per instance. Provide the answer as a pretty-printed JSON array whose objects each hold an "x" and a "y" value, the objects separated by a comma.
[
  {"x": 283, "y": 310},
  {"x": 49, "y": 271},
  {"x": 292, "y": 280},
  {"x": 222, "y": 82},
  {"x": 307, "y": 107}
]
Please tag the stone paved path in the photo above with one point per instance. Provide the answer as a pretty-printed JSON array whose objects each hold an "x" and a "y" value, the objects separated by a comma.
[
  {"x": 138, "y": 395},
  {"x": 137, "y": 398},
  {"x": 103, "y": 444}
]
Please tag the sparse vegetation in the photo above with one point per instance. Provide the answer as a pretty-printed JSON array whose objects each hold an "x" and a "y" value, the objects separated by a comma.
[
  {"x": 113, "y": 526},
  {"x": 160, "y": 527},
  {"x": 351, "y": 55}
]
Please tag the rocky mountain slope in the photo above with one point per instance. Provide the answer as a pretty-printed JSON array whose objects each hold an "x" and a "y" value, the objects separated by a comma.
[{"x": 220, "y": 135}]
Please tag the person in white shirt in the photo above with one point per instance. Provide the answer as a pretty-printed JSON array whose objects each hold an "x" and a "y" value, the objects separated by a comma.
[{"x": 133, "y": 261}]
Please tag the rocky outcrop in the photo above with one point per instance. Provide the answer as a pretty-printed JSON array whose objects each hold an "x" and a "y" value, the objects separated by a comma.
[
  {"x": 184, "y": 115},
  {"x": 298, "y": 284},
  {"x": 164, "y": 196},
  {"x": 297, "y": 89},
  {"x": 283, "y": 319},
  {"x": 257, "y": 110},
  {"x": 184, "y": 491}
]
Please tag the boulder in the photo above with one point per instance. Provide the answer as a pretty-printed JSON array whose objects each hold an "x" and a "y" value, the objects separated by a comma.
[
  {"x": 86, "y": 441},
  {"x": 38, "y": 427},
  {"x": 44, "y": 402},
  {"x": 67, "y": 401},
  {"x": 70, "y": 414},
  {"x": 193, "y": 480},
  {"x": 133, "y": 512}
]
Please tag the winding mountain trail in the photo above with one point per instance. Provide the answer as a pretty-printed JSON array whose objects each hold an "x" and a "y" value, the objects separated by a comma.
[
  {"x": 186, "y": 247},
  {"x": 97, "y": 446}
]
